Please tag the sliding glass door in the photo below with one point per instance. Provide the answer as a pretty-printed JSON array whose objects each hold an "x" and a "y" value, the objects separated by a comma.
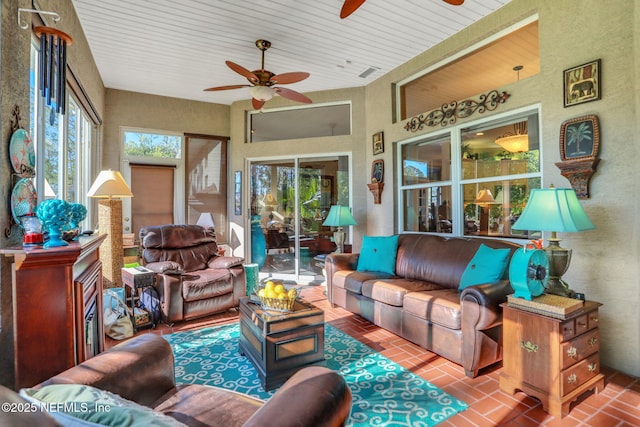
[{"x": 290, "y": 199}]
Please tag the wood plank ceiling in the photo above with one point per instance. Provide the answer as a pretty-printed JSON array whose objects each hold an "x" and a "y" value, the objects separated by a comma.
[{"x": 177, "y": 48}]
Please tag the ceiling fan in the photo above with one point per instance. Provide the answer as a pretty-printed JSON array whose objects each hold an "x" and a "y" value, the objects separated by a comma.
[
  {"x": 262, "y": 81},
  {"x": 350, "y": 6}
]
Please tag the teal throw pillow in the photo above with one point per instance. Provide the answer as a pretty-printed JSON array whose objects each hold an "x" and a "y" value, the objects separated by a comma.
[
  {"x": 97, "y": 406},
  {"x": 486, "y": 266},
  {"x": 378, "y": 254}
]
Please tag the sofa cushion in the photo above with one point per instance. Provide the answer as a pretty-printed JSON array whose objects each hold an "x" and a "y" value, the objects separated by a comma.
[
  {"x": 203, "y": 405},
  {"x": 393, "y": 291},
  {"x": 352, "y": 281},
  {"x": 487, "y": 266},
  {"x": 204, "y": 284},
  {"x": 98, "y": 406},
  {"x": 378, "y": 253},
  {"x": 441, "y": 306}
]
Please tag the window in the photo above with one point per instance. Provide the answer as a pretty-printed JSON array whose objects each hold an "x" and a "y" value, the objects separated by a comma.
[
  {"x": 299, "y": 122},
  {"x": 473, "y": 186},
  {"x": 148, "y": 144},
  {"x": 481, "y": 68},
  {"x": 63, "y": 143}
]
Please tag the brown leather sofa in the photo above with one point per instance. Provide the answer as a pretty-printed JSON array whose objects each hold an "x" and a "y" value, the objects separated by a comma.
[
  {"x": 422, "y": 303},
  {"x": 192, "y": 280},
  {"x": 142, "y": 370}
]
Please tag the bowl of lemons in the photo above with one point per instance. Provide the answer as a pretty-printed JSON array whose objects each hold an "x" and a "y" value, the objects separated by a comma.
[{"x": 275, "y": 296}]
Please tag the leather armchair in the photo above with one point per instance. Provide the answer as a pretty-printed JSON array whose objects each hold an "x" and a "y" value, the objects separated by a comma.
[{"x": 191, "y": 278}]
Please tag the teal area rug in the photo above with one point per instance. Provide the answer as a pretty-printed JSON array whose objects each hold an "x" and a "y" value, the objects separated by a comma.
[{"x": 384, "y": 393}]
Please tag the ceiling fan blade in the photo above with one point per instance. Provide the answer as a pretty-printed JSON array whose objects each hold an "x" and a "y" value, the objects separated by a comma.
[
  {"x": 242, "y": 71},
  {"x": 226, "y": 87},
  {"x": 287, "y": 78},
  {"x": 349, "y": 7},
  {"x": 257, "y": 104},
  {"x": 292, "y": 95},
  {"x": 454, "y": 2}
]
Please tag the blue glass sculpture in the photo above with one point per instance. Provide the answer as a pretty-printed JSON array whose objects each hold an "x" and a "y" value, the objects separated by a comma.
[{"x": 53, "y": 214}]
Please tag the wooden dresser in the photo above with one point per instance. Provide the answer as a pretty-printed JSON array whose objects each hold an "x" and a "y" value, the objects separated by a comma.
[
  {"x": 554, "y": 360},
  {"x": 57, "y": 308}
]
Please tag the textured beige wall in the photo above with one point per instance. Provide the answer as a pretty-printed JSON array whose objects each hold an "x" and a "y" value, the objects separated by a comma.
[
  {"x": 605, "y": 261},
  {"x": 132, "y": 109}
]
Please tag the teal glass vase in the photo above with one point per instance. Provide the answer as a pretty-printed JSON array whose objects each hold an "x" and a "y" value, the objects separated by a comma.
[{"x": 258, "y": 242}]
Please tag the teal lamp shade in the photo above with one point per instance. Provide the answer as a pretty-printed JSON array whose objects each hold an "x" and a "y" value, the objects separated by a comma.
[
  {"x": 553, "y": 209},
  {"x": 339, "y": 216}
]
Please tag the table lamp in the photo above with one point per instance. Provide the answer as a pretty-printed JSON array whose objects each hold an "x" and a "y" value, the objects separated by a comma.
[
  {"x": 554, "y": 209},
  {"x": 339, "y": 216},
  {"x": 110, "y": 187},
  {"x": 206, "y": 220},
  {"x": 483, "y": 199}
]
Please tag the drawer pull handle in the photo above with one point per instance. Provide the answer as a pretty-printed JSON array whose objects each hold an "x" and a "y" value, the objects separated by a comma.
[
  {"x": 572, "y": 352},
  {"x": 592, "y": 367},
  {"x": 594, "y": 319},
  {"x": 568, "y": 330},
  {"x": 593, "y": 341},
  {"x": 573, "y": 378},
  {"x": 582, "y": 324},
  {"x": 529, "y": 346}
]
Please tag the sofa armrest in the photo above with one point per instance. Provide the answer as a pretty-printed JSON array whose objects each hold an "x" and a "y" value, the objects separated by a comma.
[
  {"x": 487, "y": 298},
  {"x": 140, "y": 369},
  {"x": 482, "y": 325},
  {"x": 338, "y": 262},
  {"x": 165, "y": 267},
  {"x": 314, "y": 396}
]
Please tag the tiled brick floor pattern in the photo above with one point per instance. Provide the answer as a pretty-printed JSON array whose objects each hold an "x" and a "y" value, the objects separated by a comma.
[{"x": 617, "y": 406}]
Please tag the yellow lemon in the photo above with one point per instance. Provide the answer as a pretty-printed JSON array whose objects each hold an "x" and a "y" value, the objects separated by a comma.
[
  {"x": 292, "y": 294},
  {"x": 271, "y": 294},
  {"x": 261, "y": 293},
  {"x": 279, "y": 288},
  {"x": 282, "y": 295},
  {"x": 269, "y": 286}
]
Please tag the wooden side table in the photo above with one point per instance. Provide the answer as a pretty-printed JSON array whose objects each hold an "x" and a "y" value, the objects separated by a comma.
[{"x": 553, "y": 360}]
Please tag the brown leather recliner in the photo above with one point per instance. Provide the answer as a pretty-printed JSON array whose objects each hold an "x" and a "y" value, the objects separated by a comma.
[{"x": 192, "y": 279}]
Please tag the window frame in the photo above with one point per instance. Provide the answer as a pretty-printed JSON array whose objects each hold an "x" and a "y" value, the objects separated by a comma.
[
  {"x": 86, "y": 131},
  {"x": 457, "y": 182}
]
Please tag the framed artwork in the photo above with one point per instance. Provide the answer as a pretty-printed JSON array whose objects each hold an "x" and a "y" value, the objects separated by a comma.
[
  {"x": 582, "y": 83},
  {"x": 237, "y": 195},
  {"x": 579, "y": 138},
  {"x": 326, "y": 191},
  {"x": 377, "y": 171},
  {"x": 378, "y": 143}
]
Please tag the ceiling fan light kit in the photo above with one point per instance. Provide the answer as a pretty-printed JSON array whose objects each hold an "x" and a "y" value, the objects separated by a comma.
[{"x": 263, "y": 81}]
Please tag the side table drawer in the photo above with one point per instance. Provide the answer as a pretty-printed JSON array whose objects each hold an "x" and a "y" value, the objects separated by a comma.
[
  {"x": 577, "y": 349},
  {"x": 580, "y": 373}
]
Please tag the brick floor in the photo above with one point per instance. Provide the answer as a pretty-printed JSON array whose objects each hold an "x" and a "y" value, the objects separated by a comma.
[{"x": 618, "y": 405}]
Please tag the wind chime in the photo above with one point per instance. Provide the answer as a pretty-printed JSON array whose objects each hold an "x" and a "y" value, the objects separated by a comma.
[{"x": 52, "y": 69}]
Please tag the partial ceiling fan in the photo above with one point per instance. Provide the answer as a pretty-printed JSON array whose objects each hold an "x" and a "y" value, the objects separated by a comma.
[
  {"x": 350, "y": 6},
  {"x": 262, "y": 81}
]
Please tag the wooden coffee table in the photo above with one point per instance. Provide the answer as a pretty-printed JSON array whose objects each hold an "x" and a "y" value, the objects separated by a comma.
[{"x": 279, "y": 344}]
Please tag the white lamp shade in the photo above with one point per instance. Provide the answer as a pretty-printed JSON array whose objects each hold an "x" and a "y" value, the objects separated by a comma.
[
  {"x": 261, "y": 93},
  {"x": 206, "y": 220},
  {"x": 484, "y": 196},
  {"x": 109, "y": 184}
]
